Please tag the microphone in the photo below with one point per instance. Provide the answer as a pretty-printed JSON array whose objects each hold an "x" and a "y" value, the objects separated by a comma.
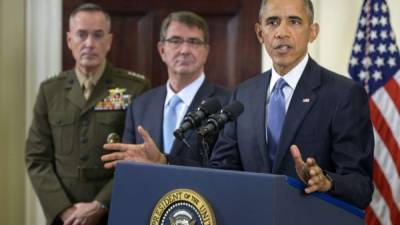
[
  {"x": 217, "y": 121},
  {"x": 194, "y": 119}
]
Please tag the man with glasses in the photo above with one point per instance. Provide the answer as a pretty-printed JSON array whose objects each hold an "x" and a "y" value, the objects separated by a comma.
[
  {"x": 74, "y": 113},
  {"x": 184, "y": 48}
]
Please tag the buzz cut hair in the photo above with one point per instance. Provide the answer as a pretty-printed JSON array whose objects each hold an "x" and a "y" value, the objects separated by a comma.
[{"x": 91, "y": 7}]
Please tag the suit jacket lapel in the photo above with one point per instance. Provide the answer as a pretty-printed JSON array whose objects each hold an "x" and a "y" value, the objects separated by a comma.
[
  {"x": 302, "y": 101},
  {"x": 74, "y": 91},
  {"x": 258, "y": 106},
  {"x": 156, "y": 108},
  {"x": 205, "y": 90}
]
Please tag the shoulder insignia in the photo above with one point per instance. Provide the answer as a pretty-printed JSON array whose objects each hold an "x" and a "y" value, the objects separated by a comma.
[
  {"x": 53, "y": 77},
  {"x": 140, "y": 76}
]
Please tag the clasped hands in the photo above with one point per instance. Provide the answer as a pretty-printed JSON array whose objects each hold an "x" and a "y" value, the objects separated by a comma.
[
  {"x": 83, "y": 213},
  {"x": 308, "y": 171}
]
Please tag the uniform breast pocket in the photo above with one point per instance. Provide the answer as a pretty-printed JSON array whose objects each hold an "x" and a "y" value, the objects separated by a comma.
[
  {"x": 109, "y": 122},
  {"x": 63, "y": 129}
]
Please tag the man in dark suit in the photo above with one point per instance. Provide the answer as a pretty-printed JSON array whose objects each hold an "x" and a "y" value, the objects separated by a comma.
[
  {"x": 183, "y": 47},
  {"x": 298, "y": 110},
  {"x": 73, "y": 115}
]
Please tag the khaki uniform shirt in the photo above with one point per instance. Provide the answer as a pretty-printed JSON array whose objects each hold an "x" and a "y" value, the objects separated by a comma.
[{"x": 65, "y": 140}]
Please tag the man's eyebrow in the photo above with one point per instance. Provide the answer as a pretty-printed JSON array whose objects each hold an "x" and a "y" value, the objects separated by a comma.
[
  {"x": 271, "y": 18},
  {"x": 95, "y": 31},
  {"x": 175, "y": 36},
  {"x": 295, "y": 18}
]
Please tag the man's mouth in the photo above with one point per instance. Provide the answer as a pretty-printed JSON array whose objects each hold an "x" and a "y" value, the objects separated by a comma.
[
  {"x": 282, "y": 48},
  {"x": 89, "y": 55},
  {"x": 184, "y": 61}
]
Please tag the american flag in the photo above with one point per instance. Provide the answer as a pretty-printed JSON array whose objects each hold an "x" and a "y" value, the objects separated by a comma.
[{"x": 375, "y": 63}]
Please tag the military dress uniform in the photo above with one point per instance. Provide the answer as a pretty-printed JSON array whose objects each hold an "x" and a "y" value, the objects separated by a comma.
[{"x": 65, "y": 140}]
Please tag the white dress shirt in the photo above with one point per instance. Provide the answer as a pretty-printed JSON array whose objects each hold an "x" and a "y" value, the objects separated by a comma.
[{"x": 186, "y": 95}]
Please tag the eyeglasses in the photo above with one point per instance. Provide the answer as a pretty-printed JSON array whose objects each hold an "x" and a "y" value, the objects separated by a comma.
[{"x": 176, "y": 42}]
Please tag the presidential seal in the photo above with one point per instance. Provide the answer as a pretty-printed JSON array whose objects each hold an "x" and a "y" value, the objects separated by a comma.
[{"x": 182, "y": 207}]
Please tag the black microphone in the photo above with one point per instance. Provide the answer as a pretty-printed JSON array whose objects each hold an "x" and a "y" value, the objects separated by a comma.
[
  {"x": 217, "y": 121},
  {"x": 194, "y": 119}
]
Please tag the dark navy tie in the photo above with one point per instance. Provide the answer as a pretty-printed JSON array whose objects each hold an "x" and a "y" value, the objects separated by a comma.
[
  {"x": 276, "y": 117},
  {"x": 170, "y": 123}
]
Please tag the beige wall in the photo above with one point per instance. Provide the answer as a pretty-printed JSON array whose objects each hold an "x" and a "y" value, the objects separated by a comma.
[{"x": 12, "y": 111}]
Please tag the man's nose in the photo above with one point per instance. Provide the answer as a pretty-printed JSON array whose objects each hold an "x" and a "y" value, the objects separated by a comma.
[
  {"x": 282, "y": 31},
  {"x": 185, "y": 47},
  {"x": 90, "y": 41}
]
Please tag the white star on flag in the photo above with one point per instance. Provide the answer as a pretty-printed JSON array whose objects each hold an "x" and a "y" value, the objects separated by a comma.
[
  {"x": 379, "y": 62},
  {"x": 383, "y": 21},
  {"x": 392, "y": 62},
  {"x": 377, "y": 75},
  {"x": 353, "y": 61},
  {"x": 382, "y": 48},
  {"x": 373, "y": 35}
]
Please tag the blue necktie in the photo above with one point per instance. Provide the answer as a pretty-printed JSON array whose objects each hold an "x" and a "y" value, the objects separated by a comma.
[
  {"x": 170, "y": 123},
  {"x": 276, "y": 117}
]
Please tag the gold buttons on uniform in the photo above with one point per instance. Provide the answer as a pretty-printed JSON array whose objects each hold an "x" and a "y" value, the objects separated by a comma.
[{"x": 113, "y": 138}]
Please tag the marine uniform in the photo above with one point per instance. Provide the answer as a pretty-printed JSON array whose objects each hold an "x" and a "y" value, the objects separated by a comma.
[{"x": 65, "y": 140}]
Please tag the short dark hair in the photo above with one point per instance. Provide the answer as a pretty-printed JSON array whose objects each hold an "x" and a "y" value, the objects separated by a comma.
[
  {"x": 91, "y": 7},
  {"x": 308, "y": 4},
  {"x": 188, "y": 18}
]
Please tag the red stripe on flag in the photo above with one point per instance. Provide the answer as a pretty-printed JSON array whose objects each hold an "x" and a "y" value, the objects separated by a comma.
[
  {"x": 384, "y": 188},
  {"x": 393, "y": 89},
  {"x": 370, "y": 217},
  {"x": 385, "y": 133}
]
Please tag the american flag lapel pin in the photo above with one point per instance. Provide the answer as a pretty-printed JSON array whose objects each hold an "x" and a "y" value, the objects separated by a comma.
[{"x": 306, "y": 100}]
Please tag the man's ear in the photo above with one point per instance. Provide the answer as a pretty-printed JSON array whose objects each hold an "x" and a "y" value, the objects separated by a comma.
[
  {"x": 161, "y": 50},
  {"x": 110, "y": 36},
  {"x": 314, "y": 32},
  {"x": 258, "y": 30},
  {"x": 68, "y": 37}
]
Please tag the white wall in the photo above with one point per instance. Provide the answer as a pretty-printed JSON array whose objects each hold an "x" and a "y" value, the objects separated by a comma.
[{"x": 43, "y": 59}]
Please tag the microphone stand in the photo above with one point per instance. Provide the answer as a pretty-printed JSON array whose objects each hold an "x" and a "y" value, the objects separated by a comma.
[{"x": 207, "y": 142}]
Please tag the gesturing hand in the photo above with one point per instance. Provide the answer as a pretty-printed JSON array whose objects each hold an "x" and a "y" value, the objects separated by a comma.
[
  {"x": 310, "y": 173},
  {"x": 147, "y": 152}
]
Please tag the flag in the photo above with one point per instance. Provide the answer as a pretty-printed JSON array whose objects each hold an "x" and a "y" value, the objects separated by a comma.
[{"x": 375, "y": 64}]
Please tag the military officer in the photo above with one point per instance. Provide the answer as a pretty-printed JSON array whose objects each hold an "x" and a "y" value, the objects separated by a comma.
[{"x": 74, "y": 114}]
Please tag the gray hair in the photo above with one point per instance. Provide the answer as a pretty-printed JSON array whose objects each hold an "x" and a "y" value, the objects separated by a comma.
[
  {"x": 188, "y": 18},
  {"x": 91, "y": 7},
  {"x": 307, "y": 3}
]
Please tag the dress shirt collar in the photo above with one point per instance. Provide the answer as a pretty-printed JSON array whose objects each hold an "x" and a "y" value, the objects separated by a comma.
[
  {"x": 94, "y": 79},
  {"x": 186, "y": 94},
  {"x": 292, "y": 77}
]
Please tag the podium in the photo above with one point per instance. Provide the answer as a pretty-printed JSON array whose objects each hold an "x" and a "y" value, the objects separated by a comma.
[{"x": 237, "y": 198}]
